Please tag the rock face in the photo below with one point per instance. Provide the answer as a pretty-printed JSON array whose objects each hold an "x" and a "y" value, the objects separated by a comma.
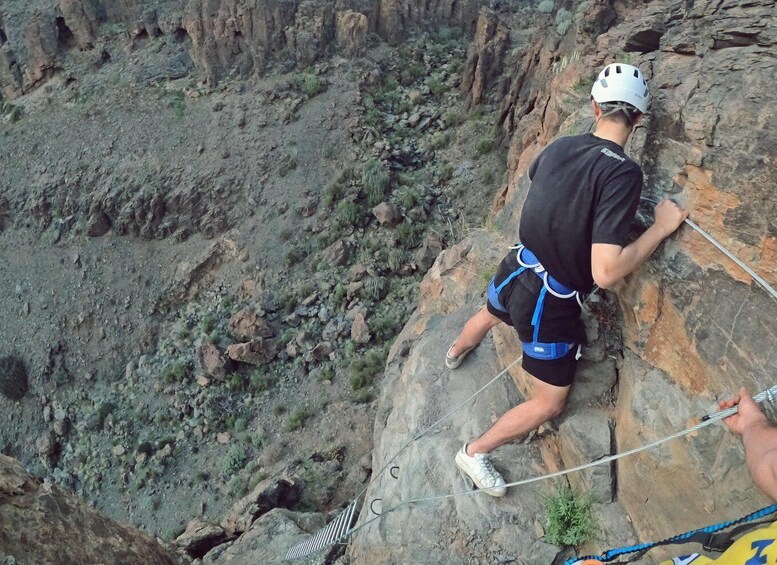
[
  {"x": 225, "y": 37},
  {"x": 418, "y": 390},
  {"x": 32, "y": 515},
  {"x": 696, "y": 327}
]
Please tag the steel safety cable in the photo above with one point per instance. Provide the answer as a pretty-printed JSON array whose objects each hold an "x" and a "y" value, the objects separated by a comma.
[
  {"x": 440, "y": 420},
  {"x": 769, "y": 394}
]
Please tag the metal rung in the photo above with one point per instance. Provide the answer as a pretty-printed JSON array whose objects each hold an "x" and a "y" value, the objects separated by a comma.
[{"x": 331, "y": 534}]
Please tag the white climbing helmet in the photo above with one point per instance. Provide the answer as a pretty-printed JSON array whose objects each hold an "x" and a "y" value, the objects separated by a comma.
[{"x": 619, "y": 82}]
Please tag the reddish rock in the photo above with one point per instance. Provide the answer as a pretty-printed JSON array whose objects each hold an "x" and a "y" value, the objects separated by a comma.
[
  {"x": 255, "y": 352},
  {"x": 337, "y": 254},
  {"x": 247, "y": 325},
  {"x": 352, "y": 28},
  {"x": 386, "y": 213},
  {"x": 200, "y": 537},
  {"x": 212, "y": 361},
  {"x": 360, "y": 332},
  {"x": 42, "y": 523}
]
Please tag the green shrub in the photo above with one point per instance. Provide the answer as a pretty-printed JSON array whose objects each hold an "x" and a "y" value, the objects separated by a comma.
[
  {"x": 385, "y": 324},
  {"x": 237, "y": 487},
  {"x": 437, "y": 86},
  {"x": 177, "y": 372},
  {"x": 240, "y": 424},
  {"x": 546, "y": 6},
  {"x": 488, "y": 177},
  {"x": 13, "y": 378},
  {"x": 446, "y": 172},
  {"x": 347, "y": 215},
  {"x": 297, "y": 418},
  {"x": 333, "y": 193},
  {"x": 408, "y": 197},
  {"x": 409, "y": 234},
  {"x": 261, "y": 382},
  {"x": 440, "y": 141},
  {"x": 563, "y": 21},
  {"x": 374, "y": 117},
  {"x": 337, "y": 296},
  {"x": 311, "y": 85},
  {"x": 411, "y": 73},
  {"x": 395, "y": 259},
  {"x": 454, "y": 117},
  {"x": 375, "y": 288},
  {"x": 485, "y": 145},
  {"x": 237, "y": 382},
  {"x": 363, "y": 369},
  {"x": 569, "y": 518},
  {"x": 234, "y": 460},
  {"x": 376, "y": 181},
  {"x": 208, "y": 323},
  {"x": 364, "y": 395}
]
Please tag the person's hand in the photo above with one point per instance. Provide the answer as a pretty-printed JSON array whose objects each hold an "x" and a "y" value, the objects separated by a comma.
[
  {"x": 669, "y": 216},
  {"x": 748, "y": 414}
]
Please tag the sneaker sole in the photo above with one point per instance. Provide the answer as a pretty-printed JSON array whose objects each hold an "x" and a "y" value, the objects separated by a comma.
[{"x": 495, "y": 492}]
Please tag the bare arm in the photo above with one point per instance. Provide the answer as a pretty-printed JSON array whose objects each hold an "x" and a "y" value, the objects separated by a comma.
[
  {"x": 610, "y": 263},
  {"x": 760, "y": 439}
]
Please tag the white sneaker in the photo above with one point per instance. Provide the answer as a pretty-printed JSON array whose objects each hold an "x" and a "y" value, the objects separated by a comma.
[
  {"x": 482, "y": 472},
  {"x": 453, "y": 362}
]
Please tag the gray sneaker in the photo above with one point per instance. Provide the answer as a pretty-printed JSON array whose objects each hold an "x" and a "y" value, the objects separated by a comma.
[
  {"x": 453, "y": 362},
  {"x": 482, "y": 472}
]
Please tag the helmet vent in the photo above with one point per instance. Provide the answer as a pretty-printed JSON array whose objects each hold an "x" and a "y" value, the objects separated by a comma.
[
  {"x": 604, "y": 83},
  {"x": 636, "y": 73},
  {"x": 646, "y": 93},
  {"x": 607, "y": 72},
  {"x": 617, "y": 69}
]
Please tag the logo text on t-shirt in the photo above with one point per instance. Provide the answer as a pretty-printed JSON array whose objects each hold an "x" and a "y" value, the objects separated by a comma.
[{"x": 612, "y": 154}]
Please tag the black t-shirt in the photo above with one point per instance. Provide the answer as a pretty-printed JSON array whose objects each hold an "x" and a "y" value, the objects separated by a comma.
[{"x": 584, "y": 190}]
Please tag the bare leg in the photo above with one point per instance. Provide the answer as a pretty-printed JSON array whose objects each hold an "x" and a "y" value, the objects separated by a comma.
[
  {"x": 474, "y": 331},
  {"x": 549, "y": 401}
]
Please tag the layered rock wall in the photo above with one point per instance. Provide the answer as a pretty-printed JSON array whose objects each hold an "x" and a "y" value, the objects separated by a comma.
[{"x": 226, "y": 37}]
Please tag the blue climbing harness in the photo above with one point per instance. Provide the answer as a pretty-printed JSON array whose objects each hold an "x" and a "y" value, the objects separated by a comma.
[
  {"x": 535, "y": 348},
  {"x": 705, "y": 536}
]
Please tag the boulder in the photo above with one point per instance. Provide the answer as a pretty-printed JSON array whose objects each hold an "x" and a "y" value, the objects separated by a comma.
[
  {"x": 246, "y": 325},
  {"x": 200, "y": 537},
  {"x": 274, "y": 492},
  {"x": 386, "y": 213},
  {"x": 425, "y": 255},
  {"x": 320, "y": 352},
  {"x": 337, "y": 254},
  {"x": 255, "y": 352},
  {"x": 212, "y": 360},
  {"x": 360, "y": 332},
  {"x": 270, "y": 537}
]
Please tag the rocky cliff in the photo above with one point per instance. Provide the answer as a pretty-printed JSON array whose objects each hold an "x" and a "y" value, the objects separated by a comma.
[
  {"x": 695, "y": 327},
  {"x": 41, "y": 523},
  {"x": 223, "y": 37}
]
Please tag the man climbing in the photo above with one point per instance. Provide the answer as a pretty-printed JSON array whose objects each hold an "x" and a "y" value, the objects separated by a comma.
[
  {"x": 760, "y": 439},
  {"x": 574, "y": 231}
]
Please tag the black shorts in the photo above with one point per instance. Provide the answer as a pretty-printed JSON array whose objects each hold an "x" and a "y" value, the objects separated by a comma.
[{"x": 560, "y": 322}]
